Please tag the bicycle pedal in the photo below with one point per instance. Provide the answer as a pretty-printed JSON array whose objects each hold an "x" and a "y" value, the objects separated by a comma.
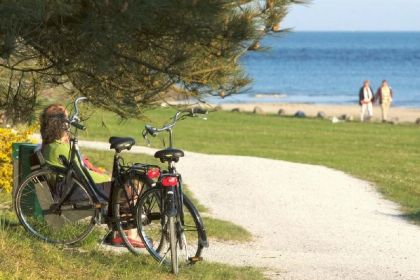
[{"x": 195, "y": 259}]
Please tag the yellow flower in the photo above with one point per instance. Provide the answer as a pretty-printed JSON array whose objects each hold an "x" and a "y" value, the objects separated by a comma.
[{"x": 7, "y": 138}]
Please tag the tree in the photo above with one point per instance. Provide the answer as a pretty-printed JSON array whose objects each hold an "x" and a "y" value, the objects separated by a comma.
[
  {"x": 125, "y": 54},
  {"x": 18, "y": 94}
]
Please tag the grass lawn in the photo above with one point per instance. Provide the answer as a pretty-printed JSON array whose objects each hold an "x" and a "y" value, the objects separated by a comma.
[
  {"x": 23, "y": 257},
  {"x": 387, "y": 155},
  {"x": 384, "y": 154}
]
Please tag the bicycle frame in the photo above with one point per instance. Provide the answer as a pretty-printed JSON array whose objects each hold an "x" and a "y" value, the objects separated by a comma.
[
  {"x": 172, "y": 200},
  {"x": 75, "y": 167},
  {"x": 51, "y": 197}
]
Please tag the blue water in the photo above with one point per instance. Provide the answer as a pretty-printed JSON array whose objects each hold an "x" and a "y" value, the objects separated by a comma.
[{"x": 330, "y": 67}]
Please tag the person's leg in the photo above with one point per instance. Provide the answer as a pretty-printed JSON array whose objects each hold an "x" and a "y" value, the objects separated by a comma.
[
  {"x": 363, "y": 111},
  {"x": 370, "y": 110},
  {"x": 132, "y": 234},
  {"x": 385, "y": 108},
  {"x": 104, "y": 188},
  {"x": 133, "y": 189}
]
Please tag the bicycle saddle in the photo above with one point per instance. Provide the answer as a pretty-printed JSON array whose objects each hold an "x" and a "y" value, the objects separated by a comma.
[
  {"x": 121, "y": 143},
  {"x": 169, "y": 154}
]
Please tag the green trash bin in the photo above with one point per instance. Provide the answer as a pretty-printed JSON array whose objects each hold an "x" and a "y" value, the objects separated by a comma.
[
  {"x": 38, "y": 201},
  {"x": 24, "y": 161}
]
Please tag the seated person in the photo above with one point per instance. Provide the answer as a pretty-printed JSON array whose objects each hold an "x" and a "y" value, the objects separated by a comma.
[{"x": 55, "y": 142}]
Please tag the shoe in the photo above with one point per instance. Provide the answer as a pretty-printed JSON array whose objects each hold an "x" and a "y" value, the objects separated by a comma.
[
  {"x": 108, "y": 238},
  {"x": 118, "y": 241}
]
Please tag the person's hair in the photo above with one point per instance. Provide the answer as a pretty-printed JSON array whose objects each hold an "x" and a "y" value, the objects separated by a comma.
[{"x": 52, "y": 122}]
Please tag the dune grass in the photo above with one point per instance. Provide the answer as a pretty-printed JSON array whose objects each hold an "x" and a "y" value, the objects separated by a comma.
[{"x": 387, "y": 155}]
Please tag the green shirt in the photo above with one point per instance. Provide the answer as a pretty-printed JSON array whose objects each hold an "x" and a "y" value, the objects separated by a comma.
[{"x": 52, "y": 151}]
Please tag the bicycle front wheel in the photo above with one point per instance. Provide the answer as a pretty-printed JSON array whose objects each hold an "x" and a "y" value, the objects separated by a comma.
[
  {"x": 53, "y": 210},
  {"x": 154, "y": 229}
]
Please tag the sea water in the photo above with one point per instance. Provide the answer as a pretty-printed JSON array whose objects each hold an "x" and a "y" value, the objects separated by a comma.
[{"x": 330, "y": 67}]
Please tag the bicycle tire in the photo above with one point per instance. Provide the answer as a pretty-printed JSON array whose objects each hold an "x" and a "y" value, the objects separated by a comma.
[
  {"x": 124, "y": 200},
  {"x": 152, "y": 226},
  {"x": 36, "y": 201},
  {"x": 173, "y": 244}
]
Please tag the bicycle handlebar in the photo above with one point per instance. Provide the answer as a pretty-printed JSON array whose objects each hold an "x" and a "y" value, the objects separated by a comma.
[
  {"x": 76, "y": 108},
  {"x": 77, "y": 125},
  {"x": 180, "y": 115},
  {"x": 74, "y": 120}
]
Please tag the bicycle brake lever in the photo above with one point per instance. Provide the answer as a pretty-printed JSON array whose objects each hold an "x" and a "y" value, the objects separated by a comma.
[{"x": 144, "y": 133}]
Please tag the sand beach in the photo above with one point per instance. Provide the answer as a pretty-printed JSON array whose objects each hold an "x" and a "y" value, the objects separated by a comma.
[{"x": 398, "y": 114}]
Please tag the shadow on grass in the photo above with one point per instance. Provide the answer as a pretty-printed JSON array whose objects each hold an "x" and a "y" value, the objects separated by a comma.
[
  {"x": 412, "y": 216},
  {"x": 6, "y": 223}
]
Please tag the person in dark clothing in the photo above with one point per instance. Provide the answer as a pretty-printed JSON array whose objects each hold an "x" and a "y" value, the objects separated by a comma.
[{"x": 366, "y": 98}]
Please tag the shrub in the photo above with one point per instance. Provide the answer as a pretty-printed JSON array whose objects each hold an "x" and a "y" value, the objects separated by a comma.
[{"x": 7, "y": 138}]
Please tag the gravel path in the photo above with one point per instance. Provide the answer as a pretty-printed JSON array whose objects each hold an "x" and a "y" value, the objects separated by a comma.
[{"x": 309, "y": 222}]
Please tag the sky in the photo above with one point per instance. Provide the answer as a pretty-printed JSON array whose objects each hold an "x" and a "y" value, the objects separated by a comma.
[{"x": 355, "y": 15}]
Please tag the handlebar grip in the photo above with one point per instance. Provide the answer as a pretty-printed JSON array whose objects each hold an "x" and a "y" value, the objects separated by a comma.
[
  {"x": 78, "y": 126},
  {"x": 151, "y": 130}
]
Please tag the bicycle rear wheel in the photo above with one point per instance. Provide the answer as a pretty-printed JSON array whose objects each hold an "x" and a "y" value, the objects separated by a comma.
[
  {"x": 41, "y": 211},
  {"x": 154, "y": 229},
  {"x": 124, "y": 200}
]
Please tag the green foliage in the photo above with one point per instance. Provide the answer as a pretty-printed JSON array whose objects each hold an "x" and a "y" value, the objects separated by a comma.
[{"x": 126, "y": 55}]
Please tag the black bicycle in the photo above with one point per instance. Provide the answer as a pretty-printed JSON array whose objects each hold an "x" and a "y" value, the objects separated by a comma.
[
  {"x": 62, "y": 204},
  {"x": 167, "y": 221}
]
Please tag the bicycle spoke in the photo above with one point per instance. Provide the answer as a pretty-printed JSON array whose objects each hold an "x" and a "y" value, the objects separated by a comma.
[
  {"x": 164, "y": 256},
  {"x": 35, "y": 206},
  {"x": 187, "y": 238}
]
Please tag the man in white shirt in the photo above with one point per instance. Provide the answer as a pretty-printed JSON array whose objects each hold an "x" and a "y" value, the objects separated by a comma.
[{"x": 365, "y": 100}]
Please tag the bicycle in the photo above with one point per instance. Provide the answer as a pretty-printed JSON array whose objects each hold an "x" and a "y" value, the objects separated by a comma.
[
  {"x": 62, "y": 205},
  {"x": 167, "y": 230}
]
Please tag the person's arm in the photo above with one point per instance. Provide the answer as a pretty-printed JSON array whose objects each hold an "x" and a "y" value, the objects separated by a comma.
[
  {"x": 361, "y": 96},
  {"x": 372, "y": 99}
]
